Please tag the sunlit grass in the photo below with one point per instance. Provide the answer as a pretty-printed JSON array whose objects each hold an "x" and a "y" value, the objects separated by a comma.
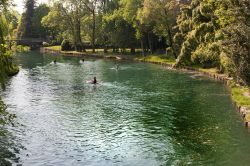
[
  {"x": 56, "y": 48},
  {"x": 248, "y": 117},
  {"x": 240, "y": 96},
  {"x": 212, "y": 70},
  {"x": 157, "y": 58}
]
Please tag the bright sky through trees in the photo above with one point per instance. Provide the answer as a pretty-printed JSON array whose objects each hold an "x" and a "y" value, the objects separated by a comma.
[{"x": 20, "y": 4}]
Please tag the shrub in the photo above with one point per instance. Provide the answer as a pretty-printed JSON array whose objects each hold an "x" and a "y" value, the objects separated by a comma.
[
  {"x": 65, "y": 45},
  {"x": 227, "y": 65},
  {"x": 45, "y": 44},
  {"x": 207, "y": 55}
]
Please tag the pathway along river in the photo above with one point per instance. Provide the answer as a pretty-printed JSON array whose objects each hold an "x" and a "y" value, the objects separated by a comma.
[{"x": 141, "y": 114}]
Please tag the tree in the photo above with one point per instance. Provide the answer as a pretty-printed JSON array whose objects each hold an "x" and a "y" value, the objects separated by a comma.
[
  {"x": 25, "y": 28},
  {"x": 216, "y": 34},
  {"x": 198, "y": 28},
  {"x": 160, "y": 15},
  {"x": 38, "y": 30},
  {"x": 91, "y": 7},
  {"x": 54, "y": 24},
  {"x": 6, "y": 65},
  {"x": 236, "y": 42},
  {"x": 11, "y": 18},
  {"x": 129, "y": 10},
  {"x": 66, "y": 16},
  {"x": 119, "y": 33}
]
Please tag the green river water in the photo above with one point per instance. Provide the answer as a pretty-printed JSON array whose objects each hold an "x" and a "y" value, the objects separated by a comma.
[{"x": 138, "y": 115}]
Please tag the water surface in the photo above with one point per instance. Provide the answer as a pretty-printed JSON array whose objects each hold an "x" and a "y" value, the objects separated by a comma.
[{"x": 140, "y": 114}]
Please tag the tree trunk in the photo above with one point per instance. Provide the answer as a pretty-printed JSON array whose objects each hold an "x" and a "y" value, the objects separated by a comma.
[
  {"x": 105, "y": 50},
  {"x": 132, "y": 50},
  {"x": 93, "y": 31},
  {"x": 78, "y": 35},
  {"x": 150, "y": 42},
  {"x": 170, "y": 38},
  {"x": 142, "y": 47}
]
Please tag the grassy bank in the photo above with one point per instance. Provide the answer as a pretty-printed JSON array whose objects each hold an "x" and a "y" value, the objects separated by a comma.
[
  {"x": 156, "y": 59},
  {"x": 241, "y": 95}
]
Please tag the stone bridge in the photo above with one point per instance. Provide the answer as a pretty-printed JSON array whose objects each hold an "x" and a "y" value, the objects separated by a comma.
[{"x": 33, "y": 43}]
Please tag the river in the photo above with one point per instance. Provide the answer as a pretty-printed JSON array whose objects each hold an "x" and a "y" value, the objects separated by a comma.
[{"x": 140, "y": 114}]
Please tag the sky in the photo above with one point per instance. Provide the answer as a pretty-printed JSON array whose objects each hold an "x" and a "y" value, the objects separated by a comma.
[{"x": 20, "y": 4}]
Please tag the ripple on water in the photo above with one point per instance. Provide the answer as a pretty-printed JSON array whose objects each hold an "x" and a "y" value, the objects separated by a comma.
[{"x": 141, "y": 114}]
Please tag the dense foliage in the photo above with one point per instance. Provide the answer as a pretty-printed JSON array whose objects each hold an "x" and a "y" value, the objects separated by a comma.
[
  {"x": 30, "y": 25},
  {"x": 205, "y": 33},
  {"x": 116, "y": 24},
  {"x": 66, "y": 46},
  {"x": 6, "y": 65},
  {"x": 216, "y": 34}
]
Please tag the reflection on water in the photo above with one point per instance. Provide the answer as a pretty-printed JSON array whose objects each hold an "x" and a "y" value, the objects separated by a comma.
[
  {"x": 140, "y": 114},
  {"x": 8, "y": 146}
]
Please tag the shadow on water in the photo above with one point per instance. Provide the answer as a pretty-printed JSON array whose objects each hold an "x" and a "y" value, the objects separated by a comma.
[
  {"x": 206, "y": 135},
  {"x": 8, "y": 147}
]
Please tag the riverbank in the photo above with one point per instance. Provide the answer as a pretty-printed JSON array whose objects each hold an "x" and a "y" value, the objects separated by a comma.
[
  {"x": 56, "y": 50},
  {"x": 240, "y": 95}
]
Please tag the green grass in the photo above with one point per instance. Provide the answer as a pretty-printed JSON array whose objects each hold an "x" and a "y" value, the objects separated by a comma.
[
  {"x": 239, "y": 96},
  {"x": 210, "y": 70},
  {"x": 56, "y": 48},
  {"x": 157, "y": 58},
  {"x": 150, "y": 58},
  {"x": 248, "y": 117}
]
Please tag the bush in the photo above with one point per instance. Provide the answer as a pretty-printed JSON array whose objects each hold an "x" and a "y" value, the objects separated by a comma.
[
  {"x": 207, "y": 55},
  {"x": 45, "y": 44},
  {"x": 20, "y": 48},
  {"x": 65, "y": 45},
  {"x": 227, "y": 65}
]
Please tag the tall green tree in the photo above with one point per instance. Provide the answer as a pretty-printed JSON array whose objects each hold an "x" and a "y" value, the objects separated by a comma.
[
  {"x": 38, "y": 30},
  {"x": 6, "y": 65},
  {"x": 92, "y": 6},
  {"x": 235, "y": 20},
  {"x": 25, "y": 28},
  {"x": 160, "y": 15},
  {"x": 198, "y": 29},
  {"x": 67, "y": 17},
  {"x": 119, "y": 33},
  {"x": 129, "y": 10},
  {"x": 216, "y": 34}
]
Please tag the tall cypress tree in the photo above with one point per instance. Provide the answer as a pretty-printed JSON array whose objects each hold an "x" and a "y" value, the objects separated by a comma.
[{"x": 25, "y": 28}]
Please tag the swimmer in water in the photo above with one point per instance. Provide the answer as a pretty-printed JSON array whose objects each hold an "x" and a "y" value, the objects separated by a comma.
[
  {"x": 82, "y": 60},
  {"x": 116, "y": 66},
  {"x": 94, "y": 81},
  {"x": 54, "y": 61}
]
